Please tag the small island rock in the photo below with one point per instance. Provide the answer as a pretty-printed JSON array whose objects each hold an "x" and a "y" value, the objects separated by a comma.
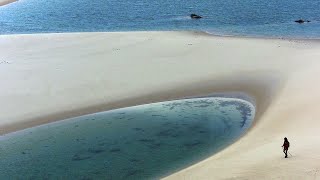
[
  {"x": 300, "y": 21},
  {"x": 195, "y": 16}
]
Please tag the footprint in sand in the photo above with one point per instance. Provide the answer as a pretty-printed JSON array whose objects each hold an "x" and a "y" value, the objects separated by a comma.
[{"x": 5, "y": 62}]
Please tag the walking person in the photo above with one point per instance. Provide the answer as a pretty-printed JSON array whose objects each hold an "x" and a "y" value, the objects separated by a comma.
[{"x": 286, "y": 146}]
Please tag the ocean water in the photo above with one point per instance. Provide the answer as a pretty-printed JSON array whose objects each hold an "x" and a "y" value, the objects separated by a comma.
[
  {"x": 141, "y": 142},
  {"x": 258, "y": 18}
]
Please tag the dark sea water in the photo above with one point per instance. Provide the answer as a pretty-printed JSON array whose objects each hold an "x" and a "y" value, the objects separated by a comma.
[
  {"x": 141, "y": 142},
  {"x": 267, "y": 18}
]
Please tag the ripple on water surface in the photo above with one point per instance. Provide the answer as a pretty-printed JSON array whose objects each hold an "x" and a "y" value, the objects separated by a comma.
[{"x": 140, "y": 142}]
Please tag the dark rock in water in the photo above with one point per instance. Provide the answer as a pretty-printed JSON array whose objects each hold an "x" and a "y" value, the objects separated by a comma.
[
  {"x": 300, "y": 21},
  {"x": 195, "y": 16}
]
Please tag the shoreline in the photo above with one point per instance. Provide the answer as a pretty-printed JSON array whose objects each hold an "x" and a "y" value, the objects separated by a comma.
[
  {"x": 51, "y": 133},
  {"x": 146, "y": 67},
  {"x": 196, "y": 32},
  {"x": 6, "y": 2},
  {"x": 135, "y": 106}
]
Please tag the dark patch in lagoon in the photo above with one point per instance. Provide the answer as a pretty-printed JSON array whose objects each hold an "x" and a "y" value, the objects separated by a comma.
[
  {"x": 86, "y": 178},
  {"x": 147, "y": 140},
  {"x": 158, "y": 141},
  {"x": 132, "y": 173},
  {"x": 138, "y": 129},
  {"x": 78, "y": 157},
  {"x": 166, "y": 133},
  {"x": 157, "y": 115},
  {"x": 115, "y": 150},
  {"x": 166, "y": 124},
  {"x": 240, "y": 106},
  {"x": 134, "y": 160},
  {"x": 192, "y": 144},
  {"x": 95, "y": 151},
  {"x": 203, "y": 106}
]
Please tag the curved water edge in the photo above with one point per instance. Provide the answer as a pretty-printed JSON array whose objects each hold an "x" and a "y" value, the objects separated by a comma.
[{"x": 139, "y": 142}]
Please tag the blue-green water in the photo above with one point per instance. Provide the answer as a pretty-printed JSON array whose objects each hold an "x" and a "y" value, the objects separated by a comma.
[
  {"x": 271, "y": 18},
  {"x": 141, "y": 142}
]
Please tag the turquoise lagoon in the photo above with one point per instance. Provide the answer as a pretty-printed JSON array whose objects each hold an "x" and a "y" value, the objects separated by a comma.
[{"x": 141, "y": 142}]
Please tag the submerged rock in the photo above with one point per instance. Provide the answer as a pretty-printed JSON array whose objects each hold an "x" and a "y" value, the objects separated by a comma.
[
  {"x": 300, "y": 21},
  {"x": 195, "y": 16}
]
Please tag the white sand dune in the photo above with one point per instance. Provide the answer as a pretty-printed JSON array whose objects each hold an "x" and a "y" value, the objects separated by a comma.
[
  {"x": 4, "y": 2},
  {"x": 48, "y": 77}
]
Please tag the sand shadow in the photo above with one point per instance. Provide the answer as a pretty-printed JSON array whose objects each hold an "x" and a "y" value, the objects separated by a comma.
[{"x": 259, "y": 88}]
